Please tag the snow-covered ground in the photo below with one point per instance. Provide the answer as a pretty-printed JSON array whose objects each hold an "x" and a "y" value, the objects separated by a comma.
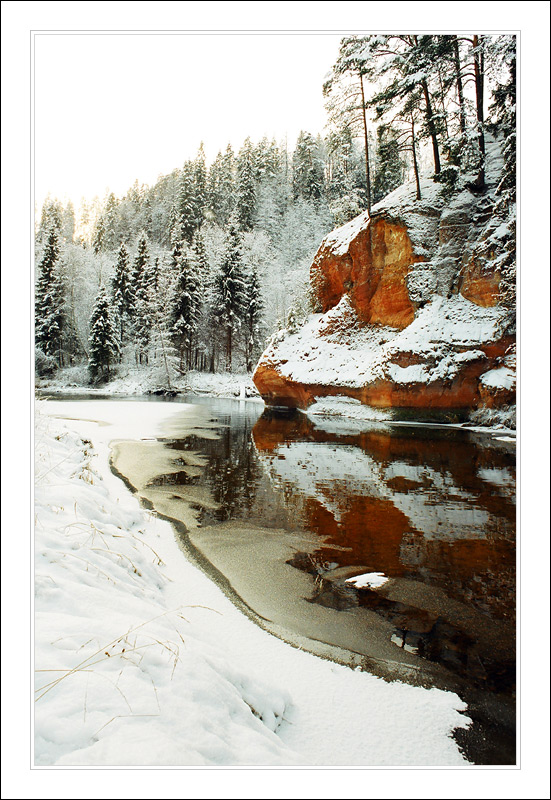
[
  {"x": 141, "y": 380},
  {"x": 141, "y": 660}
]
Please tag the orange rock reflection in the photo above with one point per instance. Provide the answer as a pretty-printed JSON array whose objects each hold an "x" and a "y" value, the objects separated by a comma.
[{"x": 425, "y": 504}]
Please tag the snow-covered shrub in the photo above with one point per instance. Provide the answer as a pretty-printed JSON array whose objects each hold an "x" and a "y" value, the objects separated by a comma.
[
  {"x": 505, "y": 417},
  {"x": 44, "y": 365}
]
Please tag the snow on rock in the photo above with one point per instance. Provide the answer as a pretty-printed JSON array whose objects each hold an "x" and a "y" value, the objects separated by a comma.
[
  {"x": 500, "y": 378},
  {"x": 444, "y": 338},
  {"x": 407, "y": 311},
  {"x": 142, "y": 661},
  {"x": 339, "y": 239}
]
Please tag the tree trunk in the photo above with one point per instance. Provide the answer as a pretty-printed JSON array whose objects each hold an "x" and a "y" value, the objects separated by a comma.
[
  {"x": 479, "y": 84},
  {"x": 459, "y": 83},
  {"x": 367, "y": 172},
  {"x": 431, "y": 126},
  {"x": 415, "y": 165},
  {"x": 228, "y": 349}
]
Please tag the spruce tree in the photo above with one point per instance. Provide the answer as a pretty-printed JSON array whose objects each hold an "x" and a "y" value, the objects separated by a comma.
[
  {"x": 141, "y": 264},
  {"x": 187, "y": 213},
  {"x": 142, "y": 279},
  {"x": 49, "y": 301},
  {"x": 246, "y": 187},
  {"x": 103, "y": 340},
  {"x": 123, "y": 294},
  {"x": 389, "y": 172},
  {"x": 252, "y": 317},
  {"x": 308, "y": 181},
  {"x": 229, "y": 293},
  {"x": 221, "y": 187},
  {"x": 185, "y": 307}
]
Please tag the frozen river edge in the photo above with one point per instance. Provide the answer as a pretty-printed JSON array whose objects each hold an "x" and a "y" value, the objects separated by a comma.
[{"x": 231, "y": 694}]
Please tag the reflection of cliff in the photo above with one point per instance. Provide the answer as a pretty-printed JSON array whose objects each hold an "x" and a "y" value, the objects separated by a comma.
[{"x": 427, "y": 505}]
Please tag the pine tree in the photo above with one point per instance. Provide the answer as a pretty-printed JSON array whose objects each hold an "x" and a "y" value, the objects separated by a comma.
[
  {"x": 49, "y": 301},
  {"x": 123, "y": 294},
  {"x": 104, "y": 346},
  {"x": 141, "y": 264},
  {"x": 308, "y": 182},
  {"x": 229, "y": 293},
  {"x": 253, "y": 313},
  {"x": 246, "y": 187},
  {"x": 185, "y": 307},
  {"x": 389, "y": 172},
  {"x": 503, "y": 111},
  {"x": 142, "y": 279},
  {"x": 344, "y": 89}
]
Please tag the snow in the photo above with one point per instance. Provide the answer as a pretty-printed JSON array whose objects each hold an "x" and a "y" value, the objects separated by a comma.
[
  {"x": 140, "y": 658},
  {"x": 324, "y": 353},
  {"x": 500, "y": 378},
  {"x": 372, "y": 580},
  {"x": 141, "y": 381},
  {"x": 339, "y": 240}
]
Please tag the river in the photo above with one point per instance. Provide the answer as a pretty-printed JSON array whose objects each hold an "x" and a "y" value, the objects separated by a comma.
[{"x": 390, "y": 548}]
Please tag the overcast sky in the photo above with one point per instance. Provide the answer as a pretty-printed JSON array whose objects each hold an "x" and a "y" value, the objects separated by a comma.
[{"x": 112, "y": 108}]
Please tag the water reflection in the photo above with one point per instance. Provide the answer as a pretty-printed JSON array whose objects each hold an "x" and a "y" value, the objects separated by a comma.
[
  {"x": 289, "y": 511},
  {"x": 406, "y": 502}
]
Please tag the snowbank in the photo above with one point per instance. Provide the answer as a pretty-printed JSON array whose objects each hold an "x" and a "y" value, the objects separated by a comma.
[
  {"x": 141, "y": 660},
  {"x": 140, "y": 381}
]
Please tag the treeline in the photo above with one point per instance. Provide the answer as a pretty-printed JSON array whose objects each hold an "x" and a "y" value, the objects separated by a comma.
[{"x": 197, "y": 270}]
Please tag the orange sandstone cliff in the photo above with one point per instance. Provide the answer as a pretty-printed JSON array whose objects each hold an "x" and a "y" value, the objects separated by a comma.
[{"x": 406, "y": 314}]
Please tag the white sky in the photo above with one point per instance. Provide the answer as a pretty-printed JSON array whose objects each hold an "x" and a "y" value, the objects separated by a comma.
[{"x": 110, "y": 108}]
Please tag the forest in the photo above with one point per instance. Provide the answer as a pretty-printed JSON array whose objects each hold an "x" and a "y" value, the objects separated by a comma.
[{"x": 198, "y": 271}]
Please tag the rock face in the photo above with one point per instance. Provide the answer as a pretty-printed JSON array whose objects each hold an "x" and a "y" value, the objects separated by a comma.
[
  {"x": 407, "y": 314},
  {"x": 372, "y": 271}
]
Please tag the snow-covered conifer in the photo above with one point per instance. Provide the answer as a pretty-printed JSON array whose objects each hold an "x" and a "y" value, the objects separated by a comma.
[
  {"x": 253, "y": 315},
  {"x": 246, "y": 187},
  {"x": 49, "y": 301},
  {"x": 184, "y": 311},
  {"x": 123, "y": 294},
  {"x": 229, "y": 293},
  {"x": 103, "y": 340}
]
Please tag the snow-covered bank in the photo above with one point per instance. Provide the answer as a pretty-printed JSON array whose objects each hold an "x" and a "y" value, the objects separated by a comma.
[
  {"x": 140, "y": 381},
  {"x": 140, "y": 658}
]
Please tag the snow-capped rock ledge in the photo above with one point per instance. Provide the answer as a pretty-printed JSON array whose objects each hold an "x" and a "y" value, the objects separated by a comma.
[{"x": 407, "y": 316}]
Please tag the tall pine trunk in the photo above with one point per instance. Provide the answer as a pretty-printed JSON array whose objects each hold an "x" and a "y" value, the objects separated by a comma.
[
  {"x": 367, "y": 171},
  {"x": 459, "y": 84},
  {"x": 478, "y": 47},
  {"x": 431, "y": 126},
  {"x": 228, "y": 348},
  {"x": 415, "y": 165}
]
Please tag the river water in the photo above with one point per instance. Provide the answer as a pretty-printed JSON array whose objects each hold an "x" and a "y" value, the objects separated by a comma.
[{"x": 390, "y": 547}]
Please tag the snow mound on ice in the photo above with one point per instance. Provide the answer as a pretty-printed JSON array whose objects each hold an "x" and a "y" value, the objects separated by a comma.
[{"x": 371, "y": 580}]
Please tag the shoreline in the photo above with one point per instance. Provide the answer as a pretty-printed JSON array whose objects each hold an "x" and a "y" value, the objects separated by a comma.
[
  {"x": 371, "y": 417},
  {"x": 320, "y": 729}
]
